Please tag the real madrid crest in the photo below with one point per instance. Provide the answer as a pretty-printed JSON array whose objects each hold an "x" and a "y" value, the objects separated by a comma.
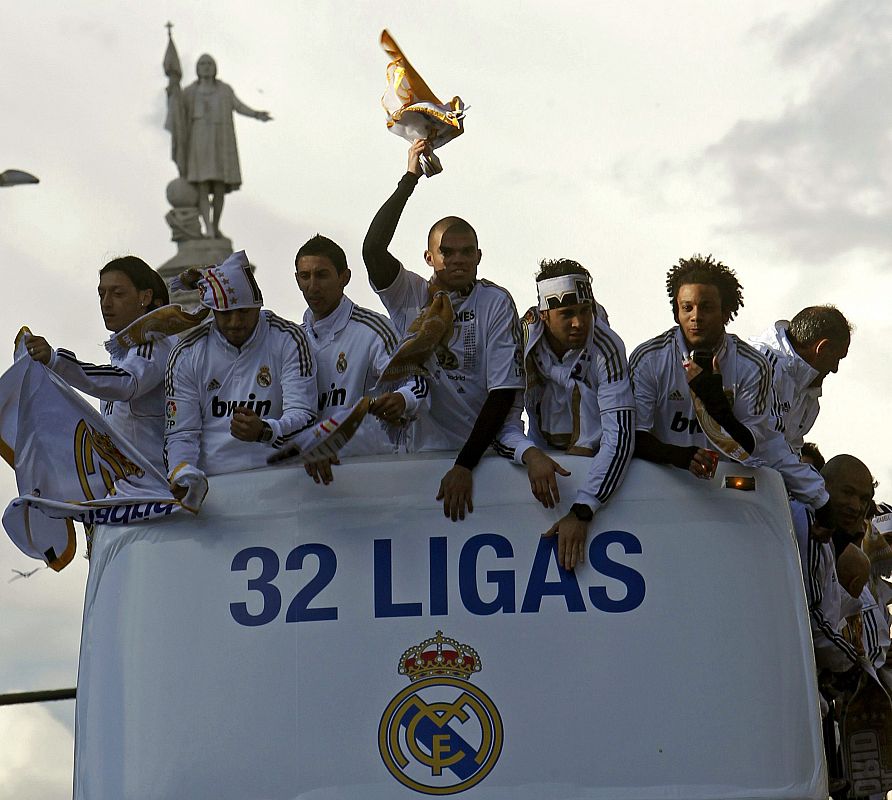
[
  {"x": 341, "y": 366},
  {"x": 441, "y": 734},
  {"x": 99, "y": 462},
  {"x": 264, "y": 378}
]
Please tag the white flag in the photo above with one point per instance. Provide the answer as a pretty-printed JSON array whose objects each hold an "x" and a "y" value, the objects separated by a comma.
[
  {"x": 69, "y": 465},
  {"x": 414, "y": 111},
  {"x": 325, "y": 439}
]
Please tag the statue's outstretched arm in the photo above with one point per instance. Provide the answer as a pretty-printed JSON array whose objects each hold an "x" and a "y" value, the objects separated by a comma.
[{"x": 247, "y": 111}]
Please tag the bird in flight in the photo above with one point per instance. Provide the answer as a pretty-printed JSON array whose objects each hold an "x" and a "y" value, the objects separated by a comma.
[{"x": 20, "y": 574}]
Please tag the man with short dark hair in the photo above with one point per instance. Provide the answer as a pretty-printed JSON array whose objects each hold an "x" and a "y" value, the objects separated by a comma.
[
  {"x": 476, "y": 375},
  {"x": 352, "y": 347},
  {"x": 699, "y": 389},
  {"x": 238, "y": 385},
  {"x": 578, "y": 399},
  {"x": 131, "y": 387},
  {"x": 811, "y": 454},
  {"x": 802, "y": 352}
]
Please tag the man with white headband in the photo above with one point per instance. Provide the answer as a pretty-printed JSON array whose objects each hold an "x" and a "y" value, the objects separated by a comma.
[
  {"x": 474, "y": 381},
  {"x": 578, "y": 399},
  {"x": 239, "y": 385}
]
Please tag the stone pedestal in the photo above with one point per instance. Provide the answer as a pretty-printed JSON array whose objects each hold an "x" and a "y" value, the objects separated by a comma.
[
  {"x": 196, "y": 253},
  {"x": 193, "y": 251}
]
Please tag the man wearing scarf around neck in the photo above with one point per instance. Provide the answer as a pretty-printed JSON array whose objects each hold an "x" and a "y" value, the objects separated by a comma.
[
  {"x": 698, "y": 387},
  {"x": 578, "y": 399},
  {"x": 475, "y": 379}
]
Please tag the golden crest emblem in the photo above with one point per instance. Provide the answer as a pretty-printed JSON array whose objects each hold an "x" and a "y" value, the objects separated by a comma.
[
  {"x": 96, "y": 456},
  {"x": 441, "y": 734},
  {"x": 264, "y": 378},
  {"x": 341, "y": 366}
]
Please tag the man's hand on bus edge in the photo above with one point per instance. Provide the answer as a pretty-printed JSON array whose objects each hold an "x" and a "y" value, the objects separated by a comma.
[
  {"x": 571, "y": 532},
  {"x": 456, "y": 490},
  {"x": 542, "y": 470},
  {"x": 321, "y": 471}
]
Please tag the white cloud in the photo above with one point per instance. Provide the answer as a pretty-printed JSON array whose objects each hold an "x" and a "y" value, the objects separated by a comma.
[
  {"x": 817, "y": 177},
  {"x": 37, "y": 755}
]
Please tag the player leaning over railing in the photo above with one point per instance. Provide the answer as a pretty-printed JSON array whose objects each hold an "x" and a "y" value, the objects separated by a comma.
[
  {"x": 238, "y": 385},
  {"x": 578, "y": 399},
  {"x": 479, "y": 369}
]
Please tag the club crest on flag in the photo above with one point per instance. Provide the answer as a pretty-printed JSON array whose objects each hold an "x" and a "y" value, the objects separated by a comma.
[
  {"x": 441, "y": 734},
  {"x": 69, "y": 465},
  {"x": 96, "y": 454}
]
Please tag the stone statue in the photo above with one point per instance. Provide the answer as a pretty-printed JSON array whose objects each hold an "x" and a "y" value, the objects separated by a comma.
[
  {"x": 201, "y": 125},
  {"x": 183, "y": 215}
]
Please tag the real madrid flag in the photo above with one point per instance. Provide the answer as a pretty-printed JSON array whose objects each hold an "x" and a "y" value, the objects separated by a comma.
[
  {"x": 414, "y": 111},
  {"x": 428, "y": 334},
  {"x": 323, "y": 441},
  {"x": 69, "y": 465}
]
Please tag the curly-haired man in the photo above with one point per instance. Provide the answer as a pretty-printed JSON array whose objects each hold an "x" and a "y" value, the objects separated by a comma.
[{"x": 699, "y": 390}]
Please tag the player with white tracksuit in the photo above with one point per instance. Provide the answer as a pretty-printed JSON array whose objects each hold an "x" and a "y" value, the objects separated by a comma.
[
  {"x": 131, "y": 387},
  {"x": 476, "y": 373},
  {"x": 578, "y": 399},
  {"x": 239, "y": 385},
  {"x": 802, "y": 352},
  {"x": 696, "y": 374},
  {"x": 352, "y": 347}
]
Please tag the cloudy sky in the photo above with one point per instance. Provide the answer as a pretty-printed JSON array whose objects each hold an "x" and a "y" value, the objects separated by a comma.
[{"x": 622, "y": 135}]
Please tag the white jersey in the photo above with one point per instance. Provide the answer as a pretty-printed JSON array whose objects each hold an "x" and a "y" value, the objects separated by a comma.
[
  {"x": 824, "y": 594},
  {"x": 131, "y": 391},
  {"x": 485, "y": 354},
  {"x": 273, "y": 373},
  {"x": 876, "y": 546},
  {"x": 875, "y": 624},
  {"x": 581, "y": 401},
  {"x": 666, "y": 410},
  {"x": 798, "y": 402},
  {"x": 352, "y": 347}
]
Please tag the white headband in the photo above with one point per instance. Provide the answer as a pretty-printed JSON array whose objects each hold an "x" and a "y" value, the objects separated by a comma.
[
  {"x": 564, "y": 290},
  {"x": 230, "y": 285}
]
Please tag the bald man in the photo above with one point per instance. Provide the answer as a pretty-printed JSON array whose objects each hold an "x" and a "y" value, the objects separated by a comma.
[
  {"x": 850, "y": 486},
  {"x": 475, "y": 379}
]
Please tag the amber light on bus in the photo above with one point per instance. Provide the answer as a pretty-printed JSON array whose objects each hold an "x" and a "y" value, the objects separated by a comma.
[{"x": 743, "y": 483}]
